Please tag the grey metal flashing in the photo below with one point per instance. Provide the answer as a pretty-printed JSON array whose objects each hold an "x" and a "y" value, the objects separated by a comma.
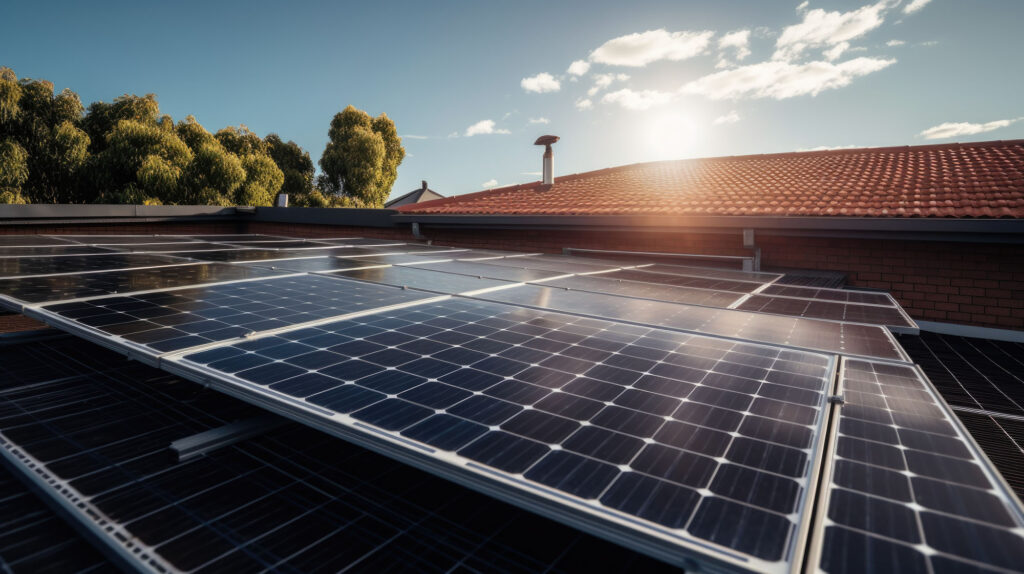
[
  {"x": 382, "y": 218},
  {"x": 85, "y": 211},
  {"x": 723, "y": 223}
]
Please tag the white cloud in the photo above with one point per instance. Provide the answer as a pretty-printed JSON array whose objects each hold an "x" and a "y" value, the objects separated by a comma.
[
  {"x": 532, "y": 173},
  {"x": 893, "y": 43},
  {"x": 930, "y": 43},
  {"x": 821, "y": 29},
  {"x": 489, "y": 184},
  {"x": 641, "y": 49},
  {"x": 584, "y": 104},
  {"x": 828, "y": 147},
  {"x": 414, "y": 137},
  {"x": 453, "y": 135},
  {"x": 602, "y": 81},
  {"x": 915, "y": 6},
  {"x": 802, "y": 6},
  {"x": 738, "y": 42},
  {"x": 483, "y": 127},
  {"x": 781, "y": 80},
  {"x": 956, "y": 129},
  {"x": 641, "y": 100},
  {"x": 540, "y": 121},
  {"x": 579, "y": 67},
  {"x": 541, "y": 83},
  {"x": 833, "y": 53},
  {"x": 729, "y": 118}
]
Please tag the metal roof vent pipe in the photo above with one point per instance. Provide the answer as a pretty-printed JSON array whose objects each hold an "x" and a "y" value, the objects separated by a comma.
[{"x": 549, "y": 158}]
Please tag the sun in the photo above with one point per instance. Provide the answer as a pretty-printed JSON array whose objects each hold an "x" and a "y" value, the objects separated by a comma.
[{"x": 668, "y": 134}]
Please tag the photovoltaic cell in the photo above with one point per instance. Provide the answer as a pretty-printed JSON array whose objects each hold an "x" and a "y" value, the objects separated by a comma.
[
  {"x": 661, "y": 292},
  {"x": 62, "y": 287},
  {"x": 423, "y": 279},
  {"x": 395, "y": 258},
  {"x": 702, "y": 443},
  {"x": 238, "y": 238},
  {"x": 172, "y": 320},
  {"x": 830, "y": 310},
  {"x": 21, "y": 266},
  {"x": 292, "y": 244},
  {"x": 840, "y": 295},
  {"x": 847, "y": 338},
  {"x": 713, "y": 283},
  {"x": 909, "y": 491}
]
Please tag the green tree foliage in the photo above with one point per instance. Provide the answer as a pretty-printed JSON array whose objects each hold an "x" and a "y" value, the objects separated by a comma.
[
  {"x": 295, "y": 164},
  {"x": 54, "y": 150},
  {"x": 13, "y": 171},
  {"x": 362, "y": 157}
]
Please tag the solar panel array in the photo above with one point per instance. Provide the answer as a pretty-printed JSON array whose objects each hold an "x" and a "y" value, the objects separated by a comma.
[
  {"x": 626, "y": 400},
  {"x": 909, "y": 490}
]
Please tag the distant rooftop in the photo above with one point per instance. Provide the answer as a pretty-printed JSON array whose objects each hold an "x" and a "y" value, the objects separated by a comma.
[
  {"x": 419, "y": 195},
  {"x": 972, "y": 180}
]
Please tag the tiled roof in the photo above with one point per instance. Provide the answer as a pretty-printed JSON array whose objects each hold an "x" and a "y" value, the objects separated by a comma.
[{"x": 984, "y": 179}]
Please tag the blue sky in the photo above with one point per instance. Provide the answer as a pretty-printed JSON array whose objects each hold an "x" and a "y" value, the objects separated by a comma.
[{"x": 620, "y": 82}]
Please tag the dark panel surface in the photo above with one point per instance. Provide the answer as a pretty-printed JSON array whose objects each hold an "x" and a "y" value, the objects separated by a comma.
[
  {"x": 903, "y": 476},
  {"x": 61, "y": 287},
  {"x": 172, "y": 320},
  {"x": 423, "y": 279},
  {"x": 713, "y": 283},
  {"x": 829, "y": 310},
  {"x": 661, "y": 292},
  {"x": 51, "y": 250},
  {"x": 124, "y": 239},
  {"x": 840, "y": 295},
  {"x": 699, "y": 271},
  {"x": 668, "y": 428},
  {"x": 14, "y": 267},
  {"x": 30, "y": 240},
  {"x": 292, "y": 500},
  {"x": 483, "y": 269},
  {"x": 805, "y": 333}
]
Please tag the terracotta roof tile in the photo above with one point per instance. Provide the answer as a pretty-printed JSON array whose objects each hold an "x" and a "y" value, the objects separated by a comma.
[{"x": 983, "y": 179}]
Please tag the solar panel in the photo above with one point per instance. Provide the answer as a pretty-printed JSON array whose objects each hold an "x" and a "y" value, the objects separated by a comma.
[
  {"x": 239, "y": 238},
  {"x": 30, "y": 241},
  {"x": 17, "y": 291},
  {"x": 908, "y": 491},
  {"x": 712, "y": 283},
  {"x": 699, "y": 271},
  {"x": 841, "y": 295},
  {"x": 51, "y": 250},
  {"x": 830, "y": 310},
  {"x": 660, "y": 292},
  {"x": 365, "y": 241},
  {"x": 292, "y": 499},
  {"x": 313, "y": 264},
  {"x": 124, "y": 239},
  {"x": 22, "y": 266},
  {"x": 282, "y": 244},
  {"x": 847, "y": 338},
  {"x": 693, "y": 448},
  {"x": 396, "y": 258},
  {"x": 423, "y": 279},
  {"x": 483, "y": 269},
  {"x": 161, "y": 247},
  {"x": 561, "y": 264},
  {"x": 168, "y": 321}
]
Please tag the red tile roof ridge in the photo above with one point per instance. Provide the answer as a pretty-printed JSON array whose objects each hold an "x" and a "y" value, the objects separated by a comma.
[{"x": 964, "y": 184}]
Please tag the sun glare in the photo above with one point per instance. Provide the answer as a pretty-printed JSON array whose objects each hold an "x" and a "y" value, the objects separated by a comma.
[{"x": 668, "y": 135}]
